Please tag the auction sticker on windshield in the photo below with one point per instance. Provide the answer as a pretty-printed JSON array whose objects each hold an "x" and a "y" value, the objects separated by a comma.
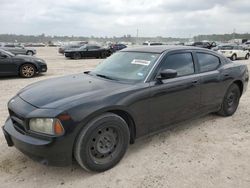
[{"x": 140, "y": 62}]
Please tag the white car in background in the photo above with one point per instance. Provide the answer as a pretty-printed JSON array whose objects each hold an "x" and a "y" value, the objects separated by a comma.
[{"x": 234, "y": 52}]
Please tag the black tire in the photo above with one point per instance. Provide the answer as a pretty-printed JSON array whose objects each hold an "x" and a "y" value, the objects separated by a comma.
[
  {"x": 247, "y": 56},
  {"x": 27, "y": 71},
  {"x": 102, "y": 143},
  {"x": 103, "y": 54},
  {"x": 231, "y": 101},
  {"x": 77, "y": 55},
  {"x": 30, "y": 53},
  {"x": 234, "y": 57}
]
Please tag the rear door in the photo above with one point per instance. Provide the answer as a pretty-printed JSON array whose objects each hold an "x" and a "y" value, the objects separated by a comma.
[
  {"x": 178, "y": 98},
  {"x": 20, "y": 50},
  {"x": 212, "y": 86}
]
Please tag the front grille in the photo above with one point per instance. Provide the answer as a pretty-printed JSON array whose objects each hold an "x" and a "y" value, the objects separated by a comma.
[{"x": 17, "y": 121}]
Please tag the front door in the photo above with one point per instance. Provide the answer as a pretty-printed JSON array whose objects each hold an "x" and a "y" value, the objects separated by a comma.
[{"x": 178, "y": 98}]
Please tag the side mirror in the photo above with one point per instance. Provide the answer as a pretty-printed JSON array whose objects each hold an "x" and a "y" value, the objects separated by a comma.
[{"x": 166, "y": 74}]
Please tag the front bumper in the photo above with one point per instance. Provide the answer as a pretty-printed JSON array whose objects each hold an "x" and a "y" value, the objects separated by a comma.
[
  {"x": 53, "y": 151},
  {"x": 43, "y": 68}
]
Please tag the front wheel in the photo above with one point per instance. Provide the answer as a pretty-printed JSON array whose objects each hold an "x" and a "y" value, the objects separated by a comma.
[
  {"x": 102, "y": 143},
  {"x": 231, "y": 101},
  {"x": 77, "y": 56},
  {"x": 27, "y": 70}
]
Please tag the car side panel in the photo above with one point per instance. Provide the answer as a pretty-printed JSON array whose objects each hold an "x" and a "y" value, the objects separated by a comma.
[
  {"x": 8, "y": 66},
  {"x": 134, "y": 102}
]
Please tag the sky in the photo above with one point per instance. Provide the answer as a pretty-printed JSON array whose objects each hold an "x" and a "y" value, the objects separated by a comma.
[{"x": 167, "y": 18}]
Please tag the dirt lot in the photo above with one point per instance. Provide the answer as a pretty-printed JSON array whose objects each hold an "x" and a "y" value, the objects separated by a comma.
[{"x": 208, "y": 152}]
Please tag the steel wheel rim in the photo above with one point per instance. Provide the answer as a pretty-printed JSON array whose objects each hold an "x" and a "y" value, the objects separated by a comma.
[
  {"x": 28, "y": 71},
  {"x": 105, "y": 144}
]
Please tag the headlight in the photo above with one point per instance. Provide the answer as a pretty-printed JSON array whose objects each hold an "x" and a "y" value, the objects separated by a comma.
[
  {"x": 230, "y": 52},
  {"x": 40, "y": 60},
  {"x": 48, "y": 126}
]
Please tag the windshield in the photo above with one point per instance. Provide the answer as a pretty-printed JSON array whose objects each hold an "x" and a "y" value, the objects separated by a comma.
[
  {"x": 82, "y": 47},
  {"x": 126, "y": 66}
]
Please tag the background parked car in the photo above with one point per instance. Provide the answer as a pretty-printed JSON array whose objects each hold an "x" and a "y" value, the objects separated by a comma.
[
  {"x": 22, "y": 65},
  {"x": 116, "y": 47},
  {"x": 17, "y": 49},
  {"x": 234, "y": 52},
  {"x": 62, "y": 49},
  {"x": 87, "y": 51},
  {"x": 246, "y": 45},
  {"x": 207, "y": 45}
]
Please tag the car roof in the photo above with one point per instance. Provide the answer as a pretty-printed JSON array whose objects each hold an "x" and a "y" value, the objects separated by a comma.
[{"x": 162, "y": 48}]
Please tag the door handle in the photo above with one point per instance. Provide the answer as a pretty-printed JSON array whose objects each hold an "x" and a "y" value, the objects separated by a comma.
[{"x": 195, "y": 82}]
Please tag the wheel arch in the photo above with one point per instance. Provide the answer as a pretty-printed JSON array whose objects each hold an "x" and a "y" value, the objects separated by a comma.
[
  {"x": 129, "y": 120},
  {"x": 239, "y": 83},
  {"x": 24, "y": 63},
  {"x": 118, "y": 110}
]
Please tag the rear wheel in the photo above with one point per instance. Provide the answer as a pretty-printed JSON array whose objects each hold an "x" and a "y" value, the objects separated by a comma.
[
  {"x": 27, "y": 70},
  {"x": 77, "y": 56},
  {"x": 247, "y": 56},
  {"x": 234, "y": 57},
  {"x": 104, "y": 54},
  {"x": 30, "y": 53},
  {"x": 102, "y": 143},
  {"x": 231, "y": 101}
]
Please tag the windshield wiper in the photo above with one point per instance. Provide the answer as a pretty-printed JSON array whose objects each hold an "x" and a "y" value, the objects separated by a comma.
[{"x": 104, "y": 76}]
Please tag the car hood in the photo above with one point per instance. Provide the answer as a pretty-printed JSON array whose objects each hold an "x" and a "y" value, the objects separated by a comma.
[{"x": 58, "y": 92}]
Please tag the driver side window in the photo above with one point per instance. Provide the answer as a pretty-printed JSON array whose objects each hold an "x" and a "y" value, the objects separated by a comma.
[{"x": 181, "y": 62}]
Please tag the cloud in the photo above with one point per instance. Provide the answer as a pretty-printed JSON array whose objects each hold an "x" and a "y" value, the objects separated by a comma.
[{"x": 179, "y": 18}]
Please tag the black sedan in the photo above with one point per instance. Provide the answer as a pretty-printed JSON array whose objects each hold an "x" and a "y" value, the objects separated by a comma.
[
  {"x": 207, "y": 45},
  {"x": 87, "y": 51},
  {"x": 116, "y": 47},
  {"x": 22, "y": 65},
  {"x": 93, "y": 116}
]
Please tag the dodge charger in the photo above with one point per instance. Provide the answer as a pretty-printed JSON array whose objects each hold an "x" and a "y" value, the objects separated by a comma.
[{"x": 93, "y": 116}]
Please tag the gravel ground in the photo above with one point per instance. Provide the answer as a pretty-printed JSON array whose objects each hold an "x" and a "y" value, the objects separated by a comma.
[{"x": 207, "y": 152}]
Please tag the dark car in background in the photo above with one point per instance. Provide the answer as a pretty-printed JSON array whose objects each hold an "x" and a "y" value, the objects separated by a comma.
[
  {"x": 117, "y": 47},
  {"x": 21, "y": 65},
  {"x": 93, "y": 116},
  {"x": 17, "y": 49},
  {"x": 62, "y": 49},
  {"x": 88, "y": 51},
  {"x": 206, "y": 45}
]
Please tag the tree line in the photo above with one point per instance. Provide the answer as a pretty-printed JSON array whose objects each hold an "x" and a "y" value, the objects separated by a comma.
[{"x": 126, "y": 38}]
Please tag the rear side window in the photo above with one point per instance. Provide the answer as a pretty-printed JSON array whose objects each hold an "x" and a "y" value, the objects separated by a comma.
[
  {"x": 207, "y": 62},
  {"x": 181, "y": 62}
]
